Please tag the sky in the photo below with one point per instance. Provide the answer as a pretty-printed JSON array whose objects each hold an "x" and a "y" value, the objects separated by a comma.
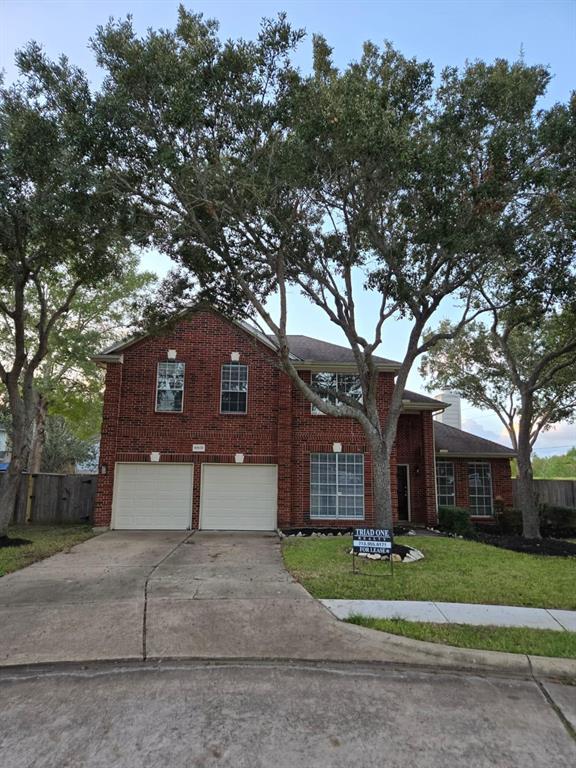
[{"x": 447, "y": 32}]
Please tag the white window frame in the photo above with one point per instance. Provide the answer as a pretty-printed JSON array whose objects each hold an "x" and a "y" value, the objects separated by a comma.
[
  {"x": 326, "y": 398},
  {"x": 222, "y": 390},
  {"x": 169, "y": 362},
  {"x": 485, "y": 496},
  {"x": 445, "y": 462},
  {"x": 315, "y": 491}
]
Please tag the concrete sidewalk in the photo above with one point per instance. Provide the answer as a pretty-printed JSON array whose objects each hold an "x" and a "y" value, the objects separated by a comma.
[{"x": 456, "y": 613}]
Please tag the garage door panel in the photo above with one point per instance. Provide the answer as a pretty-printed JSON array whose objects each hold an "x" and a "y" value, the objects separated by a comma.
[
  {"x": 153, "y": 496},
  {"x": 239, "y": 497}
]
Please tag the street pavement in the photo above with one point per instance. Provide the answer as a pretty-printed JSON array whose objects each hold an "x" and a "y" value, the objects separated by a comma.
[{"x": 263, "y": 714}]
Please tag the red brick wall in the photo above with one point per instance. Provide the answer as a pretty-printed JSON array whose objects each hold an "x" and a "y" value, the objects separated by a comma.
[{"x": 278, "y": 428}]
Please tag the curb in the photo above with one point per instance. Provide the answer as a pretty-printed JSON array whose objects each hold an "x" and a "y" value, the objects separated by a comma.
[{"x": 471, "y": 660}]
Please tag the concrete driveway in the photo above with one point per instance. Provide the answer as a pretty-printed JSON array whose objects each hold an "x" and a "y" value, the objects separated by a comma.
[
  {"x": 165, "y": 595},
  {"x": 150, "y": 595}
]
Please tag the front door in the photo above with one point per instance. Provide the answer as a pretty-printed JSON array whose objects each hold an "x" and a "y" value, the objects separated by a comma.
[{"x": 403, "y": 492}]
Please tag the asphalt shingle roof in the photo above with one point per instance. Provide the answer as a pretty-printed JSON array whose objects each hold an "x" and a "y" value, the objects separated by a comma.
[
  {"x": 456, "y": 441},
  {"x": 314, "y": 350}
]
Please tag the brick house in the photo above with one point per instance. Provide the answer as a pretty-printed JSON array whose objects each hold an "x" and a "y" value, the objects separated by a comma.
[{"x": 202, "y": 430}]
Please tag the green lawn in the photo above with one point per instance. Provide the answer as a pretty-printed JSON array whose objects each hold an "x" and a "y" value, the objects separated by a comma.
[
  {"x": 453, "y": 570},
  {"x": 45, "y": 540},
  {"x": 538, "y": 642}
]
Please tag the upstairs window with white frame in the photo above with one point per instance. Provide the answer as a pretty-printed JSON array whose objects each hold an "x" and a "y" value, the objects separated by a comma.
[
  {"x": 445, "y": 487},
  {"x": 480, "y": 488},
  {"x": 348, "y": 383},
  {"x": 170, "y": 387},
  {"x": 234, "y": 388}
]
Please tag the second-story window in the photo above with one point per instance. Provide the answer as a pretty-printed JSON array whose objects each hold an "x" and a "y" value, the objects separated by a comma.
[
  {"x": 348, "y": 383},
  {"x": 169, "y": 387},
  {"x": 234, "y": 388}
]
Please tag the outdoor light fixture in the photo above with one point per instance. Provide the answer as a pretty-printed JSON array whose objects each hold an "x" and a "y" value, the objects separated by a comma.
[{"x": 103, "y": 469}]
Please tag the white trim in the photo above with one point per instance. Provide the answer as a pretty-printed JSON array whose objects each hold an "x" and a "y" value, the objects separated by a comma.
[
  {"x": 234, "y": 413},
  {"x": 444, "y": 461},
  {"x": 490, "y": 496},
  {"x": 409, "y": 520},
  {"x": 338, "y": 457},
  {"x": 150, "y": 464},
  {"x": 169, "y": 362}
]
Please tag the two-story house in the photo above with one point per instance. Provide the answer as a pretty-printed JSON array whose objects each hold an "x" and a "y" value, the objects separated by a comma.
[{"x": 201, "y": 429}]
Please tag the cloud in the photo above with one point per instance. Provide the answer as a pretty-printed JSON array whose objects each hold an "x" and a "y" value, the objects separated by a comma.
[
  {"x": 560, "y": 438},
  {"x": 483, "y": 429}
]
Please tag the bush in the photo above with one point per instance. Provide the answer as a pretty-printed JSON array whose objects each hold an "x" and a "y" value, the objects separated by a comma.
[
  {"x": 455, "y": 520},
  {"x": 557, "y": 521},
  {"x": 509, "y": 521}
]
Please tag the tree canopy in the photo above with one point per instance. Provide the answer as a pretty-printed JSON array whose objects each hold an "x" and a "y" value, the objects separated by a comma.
[{"x": 256, "y": 179}]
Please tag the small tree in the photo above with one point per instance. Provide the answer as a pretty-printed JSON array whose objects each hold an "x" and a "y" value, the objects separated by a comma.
[
  {"x": 256, "y": 179},
  {"x": 61, "y": 223},
  {"x": 67, "y": 382}
]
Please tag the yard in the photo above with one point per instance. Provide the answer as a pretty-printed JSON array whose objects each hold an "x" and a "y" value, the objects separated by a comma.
[
  {"x": 453, "y": 570},
  {"x": 45, "y": 540},
  {"x": 537, "y": 642}
]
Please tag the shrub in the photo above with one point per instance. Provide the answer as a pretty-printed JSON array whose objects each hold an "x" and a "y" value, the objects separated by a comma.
[
  {"x": 509, "y": 521},
  {"x": 557, "y": 521},
  {"x": 455, "y": 520}
]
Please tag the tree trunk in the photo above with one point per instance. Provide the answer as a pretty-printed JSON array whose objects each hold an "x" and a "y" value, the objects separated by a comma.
[
  {"x": 10, "y": 483},
  {"x": 381, "y": 483},
  {"x": 22, "y": 416},
  {"x": 526, "y": 494},
  {"x": 38, "y": 435}
]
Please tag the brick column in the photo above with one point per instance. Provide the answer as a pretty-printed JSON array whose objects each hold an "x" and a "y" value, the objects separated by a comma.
[{"x": 111, "y": 412}]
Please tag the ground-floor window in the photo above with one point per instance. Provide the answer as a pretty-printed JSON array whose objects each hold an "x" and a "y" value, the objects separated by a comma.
[
  {"x": 480, "y": 488},
  {"x": 445, "y": 484},
  {"x": 337, "y": 485}
]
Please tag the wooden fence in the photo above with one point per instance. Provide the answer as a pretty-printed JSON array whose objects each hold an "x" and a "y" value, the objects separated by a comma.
[
  {"x": 560, "y": 493},
  {"x": 48, "y": 498}
]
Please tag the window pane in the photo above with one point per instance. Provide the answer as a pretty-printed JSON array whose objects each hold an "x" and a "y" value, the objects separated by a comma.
[
  {"x": 348, "y": 383},
  {"x": 445, "y": 483},
  {"x": 480, "y": 488},
  {"x": 337, "y": 485},
  {"x": 169, "y": 386},
  {"x": 234, "y": 388}
]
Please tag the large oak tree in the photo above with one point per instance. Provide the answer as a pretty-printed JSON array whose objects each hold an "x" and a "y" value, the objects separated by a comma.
[{"x": 255, "y": 179}]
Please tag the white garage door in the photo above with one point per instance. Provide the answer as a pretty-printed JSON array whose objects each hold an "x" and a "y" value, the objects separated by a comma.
[
  {"x": 238, "y": 497},
  {"x": 153, "y": 497}
]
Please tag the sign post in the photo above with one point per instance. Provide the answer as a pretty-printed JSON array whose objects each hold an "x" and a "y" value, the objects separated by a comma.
[{"x": 372, "y": 541}]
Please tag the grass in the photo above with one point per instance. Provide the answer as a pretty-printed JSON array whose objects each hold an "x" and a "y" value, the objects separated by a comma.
[
  {"x": 45, "y": 540},
  {"x": 538, "y": 642},
  {"x": 453, "y": 570}
]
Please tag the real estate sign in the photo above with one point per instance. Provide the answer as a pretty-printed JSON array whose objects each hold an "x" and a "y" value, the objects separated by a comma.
[{"x": 372, "y": 541}]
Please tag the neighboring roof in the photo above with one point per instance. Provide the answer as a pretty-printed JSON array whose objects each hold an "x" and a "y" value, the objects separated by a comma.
[
  {"x": 310, "y": 350},
  {"x": 455, "y": 442}
]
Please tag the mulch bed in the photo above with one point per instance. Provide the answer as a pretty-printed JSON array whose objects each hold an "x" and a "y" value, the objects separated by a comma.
[
  {"x": 551, "y": 547},
  {"x": 6, "y": 541}
]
